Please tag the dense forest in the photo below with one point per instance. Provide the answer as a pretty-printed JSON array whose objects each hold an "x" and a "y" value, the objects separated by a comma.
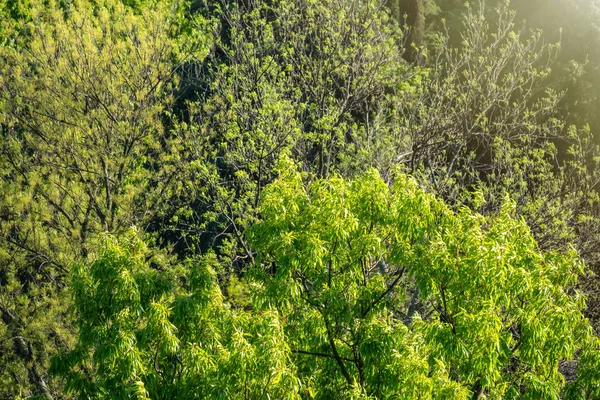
[{"x": 299, "y": 199}]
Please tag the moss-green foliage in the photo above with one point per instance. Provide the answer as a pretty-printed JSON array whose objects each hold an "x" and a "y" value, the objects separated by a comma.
[{"x": 83, "y": 90}]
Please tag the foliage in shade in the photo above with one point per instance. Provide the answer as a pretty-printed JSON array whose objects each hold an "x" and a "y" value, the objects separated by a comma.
[{"x": 274, "y": 86}]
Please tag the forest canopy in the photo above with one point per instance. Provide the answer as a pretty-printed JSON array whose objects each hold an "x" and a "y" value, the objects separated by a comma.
[{"x": 356, "y": 199}]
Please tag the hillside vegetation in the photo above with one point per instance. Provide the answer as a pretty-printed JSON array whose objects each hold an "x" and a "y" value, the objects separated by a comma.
[{"x": 298, "y": 199}]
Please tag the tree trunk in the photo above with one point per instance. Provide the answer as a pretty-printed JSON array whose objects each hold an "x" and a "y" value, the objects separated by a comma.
[
  {"x": 24, "y": 351},
  {"x": 410, "y": 14}
]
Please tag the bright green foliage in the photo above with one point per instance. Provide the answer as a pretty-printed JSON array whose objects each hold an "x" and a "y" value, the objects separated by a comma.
[
  {"x": 333, "y": 313},
  {"x": 140, "y": 337},
  {"x": 497, "y": 316}
]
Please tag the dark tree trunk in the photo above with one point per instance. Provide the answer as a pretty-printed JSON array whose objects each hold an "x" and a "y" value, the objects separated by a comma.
[
  {"x": 410, "y": 14},
  {"x": 24, "y": 351}
]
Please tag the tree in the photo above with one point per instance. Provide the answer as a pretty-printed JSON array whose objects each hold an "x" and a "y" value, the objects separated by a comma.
[
  {"x": 332, "y": 311},
  {"x": 172, "y": 116},
  {"x": 574, "y": 24},
  {"x": 304, "y": 78},
  {"x": 484, "y": 115},
  {"x": 342, "y": 261},
  {"x": 142, "y": 336},
  {"x": 83, "y": 92}
]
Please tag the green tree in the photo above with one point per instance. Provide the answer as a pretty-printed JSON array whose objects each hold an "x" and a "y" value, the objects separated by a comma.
[
  {"x": 344, "y": 262},
  {"x": 332, "y": 311},
  {"x": 304, "y": 78},
  {"x": 83, "y": 91},
  {"x": 484, "y": 115},
  {"x": 118, "y": 113},
  {"x": 142, "y": 336},
  {"x": 573, "y": 23}
]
